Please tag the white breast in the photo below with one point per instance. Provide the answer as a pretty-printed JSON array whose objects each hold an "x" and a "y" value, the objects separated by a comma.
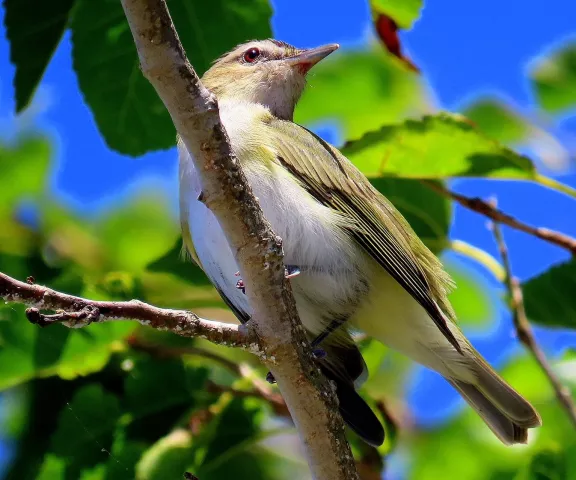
[{"x": 311, "y": 239}]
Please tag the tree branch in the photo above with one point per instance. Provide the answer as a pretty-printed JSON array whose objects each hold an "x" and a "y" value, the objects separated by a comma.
[
  {"x": 485, "y": 208},
  {"x": 258, "y": 251},
  {"x": 524, "y": 329},
  {"x": 78, "y": 312}
]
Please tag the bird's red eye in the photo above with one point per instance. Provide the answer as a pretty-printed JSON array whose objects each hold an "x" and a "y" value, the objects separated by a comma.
[{"x": 251, "y": 55}]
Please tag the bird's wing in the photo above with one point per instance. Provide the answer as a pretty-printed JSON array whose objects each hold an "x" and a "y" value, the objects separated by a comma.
[{"x": 373, "y": 221}]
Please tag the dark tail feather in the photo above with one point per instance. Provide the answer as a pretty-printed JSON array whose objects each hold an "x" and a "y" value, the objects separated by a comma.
[
  {"x": 357, "y": 414},
  {"x": 508, "y": 430}
]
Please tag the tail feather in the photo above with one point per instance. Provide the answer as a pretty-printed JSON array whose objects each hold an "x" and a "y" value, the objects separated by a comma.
[
  {"x": 505, "y": 429},
  {"x": 358, "y": 415},
  {"x": 505, "y": 398},
  {"x": 503, "y": 409}
]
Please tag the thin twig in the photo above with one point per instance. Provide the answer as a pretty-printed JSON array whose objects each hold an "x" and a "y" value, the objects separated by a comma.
[
  {"x": 78, "y": 312},
  {"x": 485, "y": 208},
  {"x": 524, "y": 329}
]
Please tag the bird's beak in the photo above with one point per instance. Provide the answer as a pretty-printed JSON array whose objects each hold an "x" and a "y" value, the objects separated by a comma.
[{"x": 306, "y": 59}]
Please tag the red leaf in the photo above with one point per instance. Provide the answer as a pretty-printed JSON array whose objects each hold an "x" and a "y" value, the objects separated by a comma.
[{"x": 387, "y": 30}]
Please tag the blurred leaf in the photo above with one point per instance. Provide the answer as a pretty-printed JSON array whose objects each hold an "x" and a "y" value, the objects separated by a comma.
[
  {"x": 85, "y": 429},
  {"x": 53, "y": 468},
  {"x": 42, "y": 401},
  {"x": 233, "y": 445},
  {"x": 27, "y": 351},
  {"x": 173, "y": 262},
  {"x": 34, "y": 30},
  {"x": 554, "y": 79},
  {"x": 404, "y": 13},
  {"x": 23, "y": 176},
  {"x": 168, "y": 458},
  {"x": 362, "y": 91},
  {"x": 169, "y": 389},
  {"x": 137, "y": 233},
  {"x": 548, "y": 465},
  {"x": 123, "y": 458},
  {"x": 470, "y": 299},
  {"x": 497, "y": 120},
  {"x": 437, "y": 146},
  {"x": 549, "y": 297},
  {"x": 128, "y": 112},
  {"x": 428, "y": 213}
]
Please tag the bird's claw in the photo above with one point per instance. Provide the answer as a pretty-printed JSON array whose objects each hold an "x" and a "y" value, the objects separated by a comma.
[{"x": 290, "y": 271}]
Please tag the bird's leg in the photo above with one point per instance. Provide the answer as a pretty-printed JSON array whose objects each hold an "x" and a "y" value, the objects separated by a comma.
[{"x": 290, "y": 271}]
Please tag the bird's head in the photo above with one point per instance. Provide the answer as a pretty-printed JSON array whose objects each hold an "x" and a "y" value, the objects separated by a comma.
[{"x": 268, "y": 72}]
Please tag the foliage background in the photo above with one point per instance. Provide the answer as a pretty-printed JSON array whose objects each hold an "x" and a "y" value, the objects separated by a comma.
[{"x": 81, "y": 215}]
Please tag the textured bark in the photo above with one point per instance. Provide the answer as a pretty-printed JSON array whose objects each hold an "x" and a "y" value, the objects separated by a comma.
[{"x": 258, "y": 251}]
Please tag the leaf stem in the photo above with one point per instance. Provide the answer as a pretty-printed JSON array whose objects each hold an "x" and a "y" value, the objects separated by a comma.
[{"x": 555, "y": 185}]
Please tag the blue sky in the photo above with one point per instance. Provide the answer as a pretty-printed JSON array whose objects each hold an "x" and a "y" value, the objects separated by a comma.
[{"x": 463, "y": 48}]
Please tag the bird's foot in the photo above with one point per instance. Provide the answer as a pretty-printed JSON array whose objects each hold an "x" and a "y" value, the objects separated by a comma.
[{"x": 290, "y": 271}]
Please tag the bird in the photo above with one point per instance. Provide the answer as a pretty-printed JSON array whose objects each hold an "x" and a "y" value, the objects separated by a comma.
[{"x": 354, "y": 261}]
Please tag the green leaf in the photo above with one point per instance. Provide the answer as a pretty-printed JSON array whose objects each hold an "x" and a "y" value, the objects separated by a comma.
[
  {"x": 128, "y": 112},
  {"x": 437, "y": 146},
  {"x": 137, "y": 233},
  {"x": 498, "y": 121},
  {"x": 85, "y": 429},
  {"x": 158, "y": 392},
  {"x": 27, "y": 351},
  {"x": 470, "y": 299},
  {"x": 404, "y": 13},
  {"x": 173, "y": 262},
  {"x": 549, "y": 298},
  {"x": 34, "y": 30},
  {"x": 554, "y": 79},
  {"x": 53, "y": 468},
  {"x": 428, "y": 213},
  {"x": 548, "y": 465},
  {"x": 362, "y": 90},
  {"x": 169, "y": 457}
]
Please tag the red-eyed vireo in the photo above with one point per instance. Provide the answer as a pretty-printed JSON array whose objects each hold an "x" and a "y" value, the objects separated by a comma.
[{"x": 357, "y": 263}]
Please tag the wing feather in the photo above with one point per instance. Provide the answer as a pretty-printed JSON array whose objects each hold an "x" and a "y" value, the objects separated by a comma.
[{"x": 373, "y": 221}]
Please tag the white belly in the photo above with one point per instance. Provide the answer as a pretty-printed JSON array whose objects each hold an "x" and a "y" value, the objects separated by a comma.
[{"x": 330, "y": 281}]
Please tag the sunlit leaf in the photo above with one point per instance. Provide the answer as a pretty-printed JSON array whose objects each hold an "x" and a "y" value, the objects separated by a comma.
[
  {"x": 362, "y": 91},
  {"x": 34, "y": 30},
  {"x": 27, "y": 351},
  {"x": 137, "y": 233},
  {"x": 497, "y": 120},
  {"x": 435, "y": 147},
  {"x": 169, "y": 457},
  {"x": 554, "y": 79},
  {"x": 549, "y": 297},
  {"x": 404, "y": 13},
  {"x": 470, "y": 299},
  {"x": 129, "y": 114}
]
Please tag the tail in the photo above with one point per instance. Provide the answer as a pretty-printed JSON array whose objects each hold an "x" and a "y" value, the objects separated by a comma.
[
  {"x": 357, "y": 414},
  {"x": 503, "y": 409}
]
